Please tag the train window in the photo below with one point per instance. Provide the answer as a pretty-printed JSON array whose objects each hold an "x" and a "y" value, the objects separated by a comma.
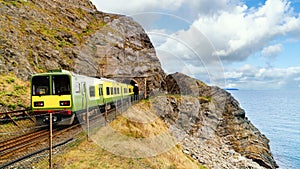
[
  {"x": 115, "y": 91},
  {"x": 100, "y": 90},
  {"x": 92, "y": 91},
  {"x": 118, "y": 90},
  {"x": 77, "y": 87},
  {"x": 40, "y": 85},
  {"x": 111, "y": 90},
  {"x": 107, "y": 91},
  {"x": 61, "y": 85}
]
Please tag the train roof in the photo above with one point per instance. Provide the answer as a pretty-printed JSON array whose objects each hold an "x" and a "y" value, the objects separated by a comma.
[
  {"x": 53, "y": 72},
  {"x": 62, "y": 71}
]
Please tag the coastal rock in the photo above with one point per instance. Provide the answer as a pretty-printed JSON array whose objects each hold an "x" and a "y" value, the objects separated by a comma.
[{"x": 212, "y": 116}]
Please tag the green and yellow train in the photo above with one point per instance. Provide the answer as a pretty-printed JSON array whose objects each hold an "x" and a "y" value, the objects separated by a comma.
[{"x": 65, "y": 94}]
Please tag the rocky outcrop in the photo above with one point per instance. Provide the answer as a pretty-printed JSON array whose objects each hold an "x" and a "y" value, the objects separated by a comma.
[
  {"x": 210, "y": 116},
  {"x": 38, "y": 35},
  {"x": 69, "y": 34},
  {"x": 121, "y": 50}
]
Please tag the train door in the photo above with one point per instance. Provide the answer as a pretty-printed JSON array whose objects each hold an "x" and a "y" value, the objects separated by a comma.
[
  {"x": 101, "y": 94},
  {"x": 83, "y": 96}
]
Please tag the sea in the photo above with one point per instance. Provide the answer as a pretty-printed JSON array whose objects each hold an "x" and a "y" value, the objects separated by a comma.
[{"x": 276, "y": 113}]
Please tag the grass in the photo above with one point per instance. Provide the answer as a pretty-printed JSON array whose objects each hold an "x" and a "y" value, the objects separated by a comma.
[
  {"x": 130, "y": 126},
  {"x": 13, "y": 2},
  {"x": 14, "y": 92}
]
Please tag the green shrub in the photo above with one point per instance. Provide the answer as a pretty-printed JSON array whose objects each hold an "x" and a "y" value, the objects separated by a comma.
[
  {"x": 10, "y": 80},
  {"x": 12, "y": 106}
]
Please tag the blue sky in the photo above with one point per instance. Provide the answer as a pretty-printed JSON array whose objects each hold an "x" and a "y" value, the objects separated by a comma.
[{"x": 248, "y": 44}]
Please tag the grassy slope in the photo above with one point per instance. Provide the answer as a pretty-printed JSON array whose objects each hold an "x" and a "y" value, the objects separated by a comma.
[
  {"x": 44, "y": 31},
  {"x": 14, "y": 92},
  {"x": 88, "y": 154},
  {"x": 33, "y": 36}
]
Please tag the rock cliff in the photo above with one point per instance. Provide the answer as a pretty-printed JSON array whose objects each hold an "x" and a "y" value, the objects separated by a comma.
[
  {"x": 210, "y": 116},
  {"x": 73, "y": 35},
  {"x": 40, "y": 35}
]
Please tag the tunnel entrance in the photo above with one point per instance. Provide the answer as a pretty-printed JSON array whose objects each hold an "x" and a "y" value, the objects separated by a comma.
[{"x": 135, "y": 89}]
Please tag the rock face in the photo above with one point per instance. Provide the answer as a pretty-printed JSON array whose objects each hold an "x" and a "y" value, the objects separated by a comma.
[
  {"x": 40, "y": 35},
  {"x": 211, "y": 116},
  {"x": 122, "y": 50}
]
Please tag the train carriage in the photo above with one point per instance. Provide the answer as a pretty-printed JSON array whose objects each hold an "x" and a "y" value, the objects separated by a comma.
[{"x": 66, "y": 94}]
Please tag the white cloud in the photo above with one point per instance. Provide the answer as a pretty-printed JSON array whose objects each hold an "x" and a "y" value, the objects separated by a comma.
[
  {"x": 209, "y": 7},
  {"x": 233, "y": 74},
  {"x": 191, "y": 7},
  {"x": 235, "y": 30},
  {"x": 241, "y": 32},
  {"x": 192, "y": 51},
  {"x": 234, "y": 35},
  {"x": 263, "y": 78},
  {"x": 230, "y": 31},
  {"x": 135, "y": 6},
  {"x": 272, "y": 50},
  {"x": 158, "y": 36}
]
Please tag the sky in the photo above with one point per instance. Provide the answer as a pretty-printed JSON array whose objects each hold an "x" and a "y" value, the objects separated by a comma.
[{"x": 245, "y": 44}]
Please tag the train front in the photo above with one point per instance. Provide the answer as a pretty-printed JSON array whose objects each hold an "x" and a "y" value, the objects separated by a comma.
[{"x": 51, "y": 93}]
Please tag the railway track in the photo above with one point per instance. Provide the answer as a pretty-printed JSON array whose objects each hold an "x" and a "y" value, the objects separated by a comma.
[
  {"x": 16, "y": 149},
  {"x": 7, "y": 148},
  {"x": 22, "y": 147},
  {"x": 7, "y": 117}
]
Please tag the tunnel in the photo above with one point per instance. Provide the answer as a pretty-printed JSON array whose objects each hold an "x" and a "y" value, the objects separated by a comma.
[{"x": 135, "y": 89}]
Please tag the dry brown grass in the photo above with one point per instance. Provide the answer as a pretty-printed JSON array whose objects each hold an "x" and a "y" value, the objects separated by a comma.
[{"x": 127, "y": 134}]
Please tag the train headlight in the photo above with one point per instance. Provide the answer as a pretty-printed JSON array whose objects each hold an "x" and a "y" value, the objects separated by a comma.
[
  {"x": 54, "y": 119},
  {"x": 38, "y": 104},
  {"x": 64, "y": 103}
]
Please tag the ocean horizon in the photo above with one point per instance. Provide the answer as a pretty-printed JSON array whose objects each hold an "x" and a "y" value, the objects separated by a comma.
[{"x": 276, "y": 113}]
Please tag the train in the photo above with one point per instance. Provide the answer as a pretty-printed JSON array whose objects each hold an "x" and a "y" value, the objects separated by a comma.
[{"x": 66, "y": 94}]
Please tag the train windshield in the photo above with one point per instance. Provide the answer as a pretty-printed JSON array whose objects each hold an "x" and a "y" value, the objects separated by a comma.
[
  {"x": 61, "y": 85},
  {"x": 40, "y": 85}
]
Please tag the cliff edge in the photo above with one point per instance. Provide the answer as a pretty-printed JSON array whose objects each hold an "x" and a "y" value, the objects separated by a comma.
[{"x": 208, "y": 114}]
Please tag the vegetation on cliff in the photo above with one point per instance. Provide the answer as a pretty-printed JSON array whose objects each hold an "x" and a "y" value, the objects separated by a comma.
[
  {"x": 95, "y": 154},
  {"x": 36, "y": 35},
  {"x": 14, "y": 93}
]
